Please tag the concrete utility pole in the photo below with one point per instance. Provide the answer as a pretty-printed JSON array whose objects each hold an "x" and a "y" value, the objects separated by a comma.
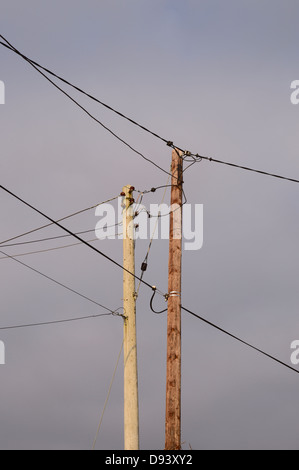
[
  {"x": 173, "y": 377},
  {"x": 131, "y": 408}
]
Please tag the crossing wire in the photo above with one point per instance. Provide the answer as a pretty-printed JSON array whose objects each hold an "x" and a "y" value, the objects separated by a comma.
[
  {"x": 74, "y": 235},
  {"x": 20, "y": 255},
  {"x": 59, "y": 220},
  {"x": 187, "y": 154},
  {"x": 240, "y": 340},
  {"x": 85, "y": 110},
  {"x": 36, "y": 66},
  {"x": 13, "y": 49},
  {"x": 145, "y": 262},
  {"x": 58, "y": 237}
]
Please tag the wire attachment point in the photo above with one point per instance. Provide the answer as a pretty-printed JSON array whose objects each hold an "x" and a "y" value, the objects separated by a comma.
[{"x": 151, "y": 303}]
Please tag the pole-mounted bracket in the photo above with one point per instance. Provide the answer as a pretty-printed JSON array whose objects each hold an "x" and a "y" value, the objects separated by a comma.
[{"x": 173, "y": 294}]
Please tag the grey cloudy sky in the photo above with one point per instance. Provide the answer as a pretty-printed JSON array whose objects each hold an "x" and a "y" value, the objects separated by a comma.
[{"x": 215, "y": 78}]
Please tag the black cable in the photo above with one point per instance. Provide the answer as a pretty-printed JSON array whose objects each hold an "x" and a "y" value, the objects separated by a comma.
[
  {"x": 56, "y": 248},
  {"x": 72, "y": 234},
  {"x": 151, "y": 304},
  {"x": 4, "y": 245},
  {"x": 154, "y": 189},
  {"x": 59, "y": 220},
  {"x": 12, "y": 48},
  {"x": 55, "y": 322},
  {"x": 85, "y": 110},
  {"x": 249, "y": 169},
  {"x": 187, "y": 155},
  {"x": 240, "y": 340},
  {"x": 57, "y": 282},
  {"x": 53, "y": 238}
]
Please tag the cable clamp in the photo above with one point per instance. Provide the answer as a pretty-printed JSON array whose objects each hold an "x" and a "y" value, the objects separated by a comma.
[
  {"x": 174, "y": 294},
  {"x": 117, "y": 314},
  {"x": 154, "y": 288}
]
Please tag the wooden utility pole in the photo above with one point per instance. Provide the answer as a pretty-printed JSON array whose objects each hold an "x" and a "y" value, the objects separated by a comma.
[
  {"x": 173, "y": 376},
  {"x": 131, "y": 408}
]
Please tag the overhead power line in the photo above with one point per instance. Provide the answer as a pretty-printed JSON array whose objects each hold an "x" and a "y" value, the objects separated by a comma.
[
  {"x": 189, "y": 156},
  {"x": 132, "y": 121},
  {"x": 145, "y": 262},
  {"x": 73, "y": 235},
  {"x": 273, "y": 175},
  {"x": 53, "y": 223},
  {"x": 57, "y": 282},
  {"x": 240, "y": 340},
  {"x": 107, "y": 398},
  {"x": 6, "y": 244},
  {"x": 55, "y": 322},
  {"x": 20, "y": 255},
  {"x": 82, "y": 107},
  {"x": 58, "y": 237}
]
